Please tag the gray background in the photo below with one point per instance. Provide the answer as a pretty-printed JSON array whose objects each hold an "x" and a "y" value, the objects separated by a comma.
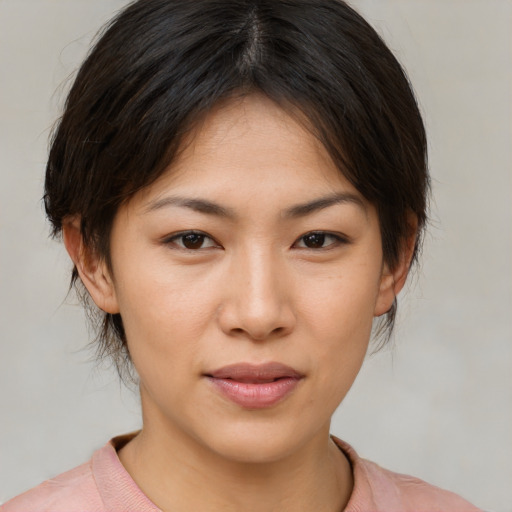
[{"x": 439, "y": 405}]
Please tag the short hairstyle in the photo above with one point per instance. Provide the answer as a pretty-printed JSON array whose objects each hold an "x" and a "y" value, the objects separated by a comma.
[{"x": 161, "y": 65}]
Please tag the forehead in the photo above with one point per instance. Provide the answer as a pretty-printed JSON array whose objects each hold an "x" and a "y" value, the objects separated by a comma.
[{"x": 253, "y": 147}]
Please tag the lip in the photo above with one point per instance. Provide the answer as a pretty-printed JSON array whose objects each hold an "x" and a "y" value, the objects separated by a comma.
[{"x": 255, "y": 386}]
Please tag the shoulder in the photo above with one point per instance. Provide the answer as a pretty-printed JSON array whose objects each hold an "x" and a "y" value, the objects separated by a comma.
[
  {"x": 100, "y": 485},
  {"x": 381, "y": 490},
  {"x": 415, "y": 494},
  {"x": 71, "y": 491}
]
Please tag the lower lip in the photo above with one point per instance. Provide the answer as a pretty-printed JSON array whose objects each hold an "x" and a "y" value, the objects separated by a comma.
[{"x": 253, "y": 395}]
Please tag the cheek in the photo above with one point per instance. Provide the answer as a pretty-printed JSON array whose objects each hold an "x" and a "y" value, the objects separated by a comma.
[
  {"x": 339, "y": 314},
  {"x": 342, "y": 304},
  {"x": 164, "y": 314}
]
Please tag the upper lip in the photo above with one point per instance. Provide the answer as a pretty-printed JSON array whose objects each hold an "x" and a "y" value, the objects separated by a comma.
[{"x": 255, "y": 372}]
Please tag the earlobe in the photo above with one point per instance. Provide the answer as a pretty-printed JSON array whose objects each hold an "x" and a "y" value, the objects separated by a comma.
[
  {"x": 387, "y": 293},
  {"x": 91, "y": 268},
  {"x": 392, "y": 281}
]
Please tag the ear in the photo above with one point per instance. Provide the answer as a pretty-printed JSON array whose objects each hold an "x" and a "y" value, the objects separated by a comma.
[
  {"x": 91, "y": 268},
  {"x": 393, "y": 280}
]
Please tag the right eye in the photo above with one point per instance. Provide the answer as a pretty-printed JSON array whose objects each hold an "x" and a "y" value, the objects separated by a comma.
[{"x": 191, "y": 240}]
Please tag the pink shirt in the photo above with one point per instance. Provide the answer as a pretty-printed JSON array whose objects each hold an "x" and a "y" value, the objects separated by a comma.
[{"x": 103, "y": 485}]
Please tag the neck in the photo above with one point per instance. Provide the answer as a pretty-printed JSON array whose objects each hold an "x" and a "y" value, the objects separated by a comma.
[{"x": 178, "y": 474}]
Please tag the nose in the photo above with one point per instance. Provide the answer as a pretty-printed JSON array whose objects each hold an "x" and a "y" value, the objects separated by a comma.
[{"x": 258, "y": 302}]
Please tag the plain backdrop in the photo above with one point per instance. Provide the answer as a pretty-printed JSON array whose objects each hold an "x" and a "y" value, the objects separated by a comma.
[{"x": 438, "y": 404}]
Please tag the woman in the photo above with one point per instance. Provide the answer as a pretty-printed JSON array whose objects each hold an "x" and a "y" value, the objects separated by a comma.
[{"x": 242, "y": 188}]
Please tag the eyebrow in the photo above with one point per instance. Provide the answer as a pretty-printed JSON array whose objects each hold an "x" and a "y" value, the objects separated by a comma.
[
  {"x": 300, "y": 210},
  {"x": 198, "y": 205}
]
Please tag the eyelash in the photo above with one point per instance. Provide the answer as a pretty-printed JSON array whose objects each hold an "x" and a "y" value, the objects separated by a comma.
[
  {"x": 173, "y": 240},
  {"x": 338, "y": 240}
]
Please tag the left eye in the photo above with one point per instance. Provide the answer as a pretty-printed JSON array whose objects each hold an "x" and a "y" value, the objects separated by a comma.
[
  {"x": 318, "y": 240},
  {"x": 192, "y": 241}
]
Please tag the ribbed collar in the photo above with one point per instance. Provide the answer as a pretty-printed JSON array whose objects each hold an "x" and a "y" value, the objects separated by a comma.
[
  {"x": 117, "y": 488},
  {"x": 119, "y": 492}
]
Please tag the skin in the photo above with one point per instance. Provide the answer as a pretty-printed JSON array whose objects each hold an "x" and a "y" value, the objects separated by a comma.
[{"x": 252, "y": 290}]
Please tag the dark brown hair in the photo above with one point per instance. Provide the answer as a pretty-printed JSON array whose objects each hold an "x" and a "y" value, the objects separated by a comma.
[{"x": 161, "y": 65}]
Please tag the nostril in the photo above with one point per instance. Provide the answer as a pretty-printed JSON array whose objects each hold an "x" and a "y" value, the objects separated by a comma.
[{"x": 240, "y": 319}]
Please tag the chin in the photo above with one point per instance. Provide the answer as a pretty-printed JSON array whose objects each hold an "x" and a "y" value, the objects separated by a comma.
[
  {"x": 259, "y": 450},
  {"x": 260, "y": 441}
]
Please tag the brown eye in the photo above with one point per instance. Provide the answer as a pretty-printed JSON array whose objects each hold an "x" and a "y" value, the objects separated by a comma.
[
  {"x": 193, "y": 241},
  {"x": 320, "y": 240},
  {"x": 314, "y": 240}
]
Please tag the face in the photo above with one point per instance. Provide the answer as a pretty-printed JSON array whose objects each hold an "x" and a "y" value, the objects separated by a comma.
[{"x": 247, "y": 278}]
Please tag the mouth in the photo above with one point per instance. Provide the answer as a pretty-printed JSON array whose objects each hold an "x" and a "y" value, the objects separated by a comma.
[{"x": 255, "y": 386}]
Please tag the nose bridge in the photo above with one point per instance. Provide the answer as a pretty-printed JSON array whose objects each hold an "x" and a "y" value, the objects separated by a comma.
[
  {"x": 261, "y": 301},
  {"x": 260, "y": 270}
]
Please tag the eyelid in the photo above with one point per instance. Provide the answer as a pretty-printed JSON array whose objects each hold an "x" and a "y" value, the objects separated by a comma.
[
  {"x": 169, "y": 239},
  {"x": 340, "y": 239}
]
